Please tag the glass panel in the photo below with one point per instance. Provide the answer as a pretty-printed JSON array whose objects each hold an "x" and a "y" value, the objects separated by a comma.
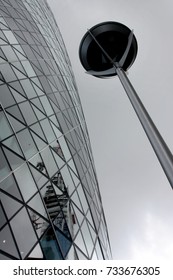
[
  {"x": 59, "y": 100},
  {"x": 4, "y": 168},
  {"x": 58, "y": 184},
  {"x": 10, "y": 205},
  {"x": 60, "y": 221},
  {"x": 74, "y": 177},
  {"x": 37, "y": 204},
  {"x": 75, "y": 199},
  {"x": 57, "y": 148},
  {"x": 94, "y": 214},
  {"x": 36, "y": 254},
  {"x": 5, "y": 129},
  {"x": 98, "y": 250},
  {"x": 29, "y": 90},
  {"x": 13, "y": 145},
  {"x": 64, "y": 148},
  {"x": 13, "y": 159},
  {"x": 90, "y": 218},
  {"x": 78, "y": 165},
  {"x": 10, "y": 36},
  {"x": 48, "y": 130},
  {"x": 94, "y": 256},
  {"x": 39, "y": 178},
  {"x": 25, "y": 181},
  {"x": 77, "y": 219},
  {"x": 27, "y": 143},
  {"x": 80, "y": 255},
  {"x": 80, "y": 243},
  {"x": 17, "y": 86},
  {"x": 38, "y": 163},
  {"x": 15, "y": 124},
  {"x": 14, "y": 111},
  {"x": 73, "y": 167},
  {"x": 59, "y": 161},
  {"x": 27, "y": 112},
  {"x": 54, "y": 120},
  {"x": 9, "y": 186},
  {"x": 37, "y": 129},
  {"x": 46, "y": 105},
  {"x": 6, "y": 96},
  {"x": 38, "y": 90},
  {"x": 38, "y": 222},
  {"x": 50, "y": 246},
  {"x": 82, "y": 198},
  {"x": 39, "y": 114},
  {"x": 65, "y": 244},
  {"x": 56, "y": 130},
  {"x": 7, "y": 243},
  {"x": 45, "y": 84},
  {"x": 39, "y": 142},
  {"x": 18, "y": 73},
  {"x": 3, "y": 218},
  {"x": 3, "y": 257},
  {"x": 37, "y": 103},
  {"x": 23, "y": 231},
  {"x": 87, "y": 238},
  {"x": 18, "y": 97},
  {"x": 28, "y": 68},
  {"x": 71, "y": 254},
  {"x": 37, "y": 82},
  {"x": 49, "y": 161},
  {"x": 9, "y": 53},
  {"x": 67, "y": 180},
  {"x": 19, "y": 49}
]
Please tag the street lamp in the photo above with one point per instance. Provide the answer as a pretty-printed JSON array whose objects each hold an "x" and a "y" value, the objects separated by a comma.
[{"x": 109, "y": 49}]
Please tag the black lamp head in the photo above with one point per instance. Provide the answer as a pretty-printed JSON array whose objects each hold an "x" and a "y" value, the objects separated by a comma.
[{"x": 114, "y": 38}]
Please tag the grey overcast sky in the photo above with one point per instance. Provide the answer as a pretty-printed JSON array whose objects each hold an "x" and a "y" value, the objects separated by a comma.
[{"x": 137, "y": 198}]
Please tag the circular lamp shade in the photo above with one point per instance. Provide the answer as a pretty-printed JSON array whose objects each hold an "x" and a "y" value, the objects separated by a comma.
[{"x": 113, "y": 38}]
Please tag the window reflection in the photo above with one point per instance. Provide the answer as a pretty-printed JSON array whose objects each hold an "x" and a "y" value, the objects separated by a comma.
[
  {"x": 26, "y": 237},
  {"x": 27, "y": 143},
  {"x": 49, "y": 162},
  {"x": 57, "y": 148},
  {"x": 13, "y": 160},
  {"x": 25, "y": 181},
  {"x": 49, "y": 246},
  {"x": 48, "y": 130},
  {"x": 9, "y": 186},
  {"x": 10, "y": 205},
  {"x": 7, "y": 243},
  {"x": 39, "y": 223}
]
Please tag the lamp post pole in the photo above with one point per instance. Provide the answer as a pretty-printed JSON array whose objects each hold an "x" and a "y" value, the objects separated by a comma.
[
  {"x": 161, "y": 149},
  {"x": 104, "y": 53}
]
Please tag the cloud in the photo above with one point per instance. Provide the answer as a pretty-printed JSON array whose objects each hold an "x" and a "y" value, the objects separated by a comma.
[{"x": 155, "y": 242}]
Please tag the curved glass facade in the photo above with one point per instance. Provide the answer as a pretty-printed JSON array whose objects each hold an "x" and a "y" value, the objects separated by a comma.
[{"x": 50, "y": 204}]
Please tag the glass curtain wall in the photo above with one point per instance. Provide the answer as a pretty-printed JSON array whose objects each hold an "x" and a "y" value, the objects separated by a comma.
[{"x": 50, "y": 204}]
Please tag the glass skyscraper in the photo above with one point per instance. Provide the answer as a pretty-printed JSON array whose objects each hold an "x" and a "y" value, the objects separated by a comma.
[{"x": 50, "y": 204}]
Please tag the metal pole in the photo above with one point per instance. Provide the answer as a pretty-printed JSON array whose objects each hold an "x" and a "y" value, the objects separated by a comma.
[{"x": 162, "y": 151}]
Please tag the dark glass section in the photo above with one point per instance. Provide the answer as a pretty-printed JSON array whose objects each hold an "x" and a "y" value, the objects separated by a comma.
[{"x": 50, "y": 247}]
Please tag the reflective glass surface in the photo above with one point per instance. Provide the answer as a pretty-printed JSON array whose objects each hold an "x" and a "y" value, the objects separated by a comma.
[{"x": 50, "y": 204}]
